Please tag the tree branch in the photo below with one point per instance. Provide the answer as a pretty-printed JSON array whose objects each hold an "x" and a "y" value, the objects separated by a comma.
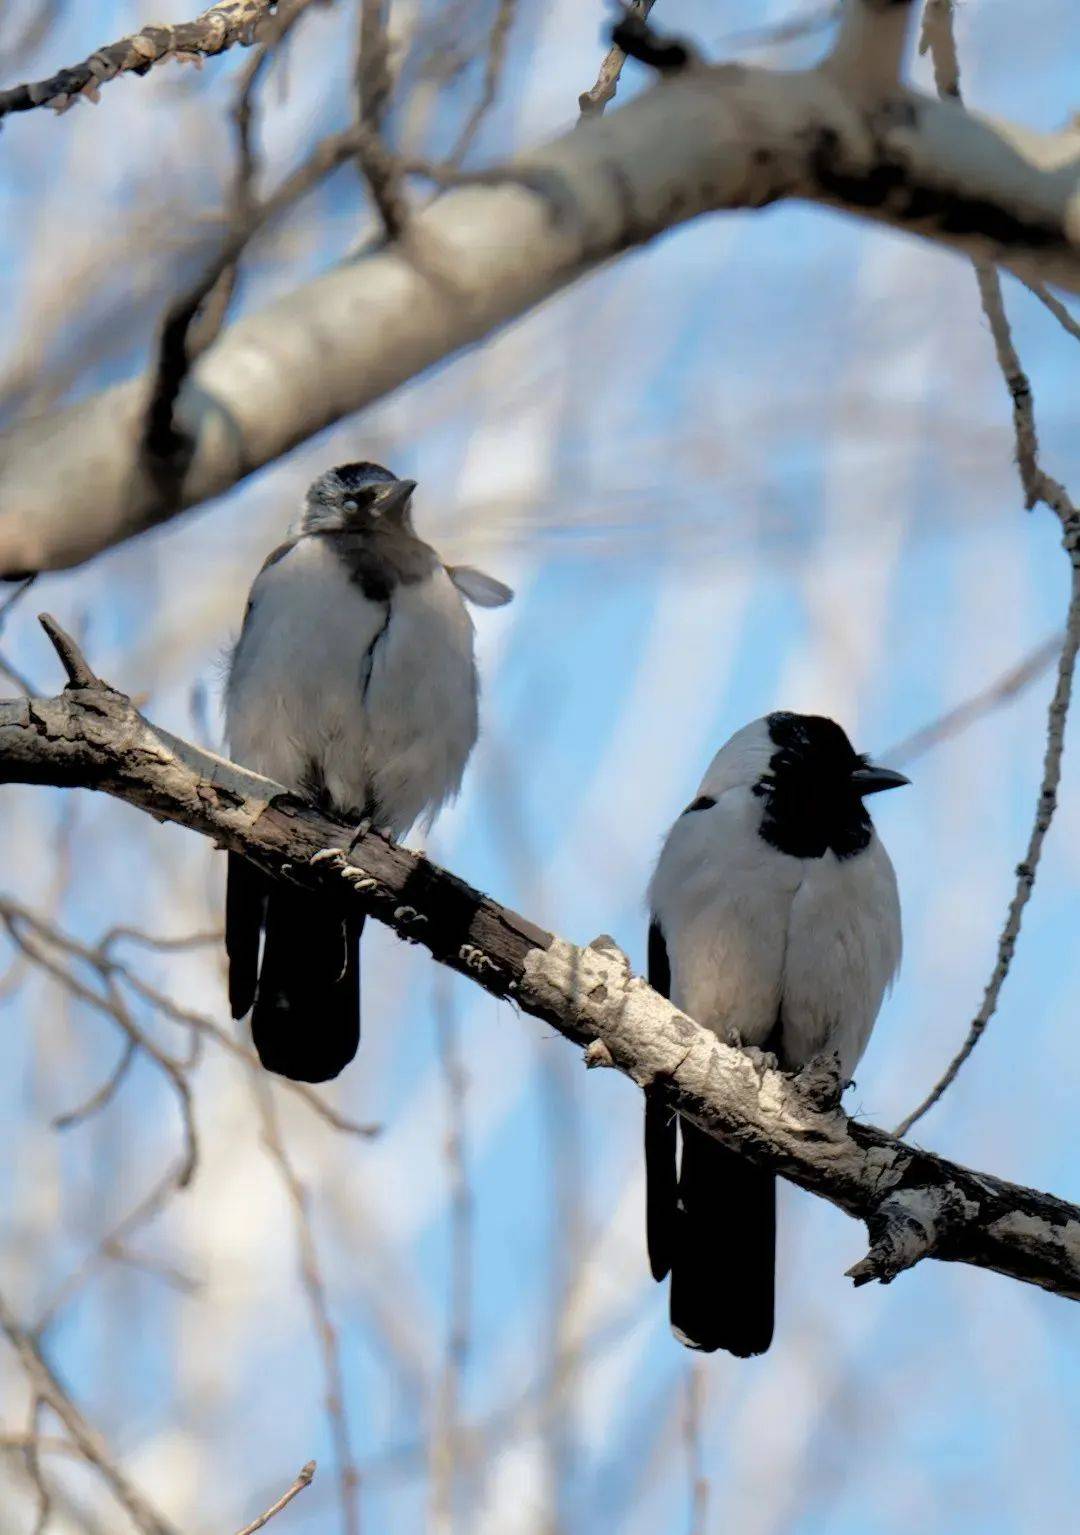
[
  {"x": 1038, "y": 486},
  {"x": 95, "y": 738},
  {"x": 705, "y": 139},
  {"x": 47, "y": 1389},
  {"x": 218, "y": 28},
  {"x": 870, "y": 45},
  {"x": 305, "y": 1479}
]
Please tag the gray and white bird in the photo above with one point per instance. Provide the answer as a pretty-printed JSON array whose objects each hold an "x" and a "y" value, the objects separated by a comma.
[
  {"x": 354, "y": 684},
  {"x": 775, "y": 922}
]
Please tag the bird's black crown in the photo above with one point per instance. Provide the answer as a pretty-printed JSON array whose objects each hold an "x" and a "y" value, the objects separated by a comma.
[{"x": 355, "y": 476}]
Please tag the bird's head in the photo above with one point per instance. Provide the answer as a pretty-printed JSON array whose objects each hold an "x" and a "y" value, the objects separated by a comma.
[
  {"x": 356, "y": 498},
  {"x": 809, "y": 777}
]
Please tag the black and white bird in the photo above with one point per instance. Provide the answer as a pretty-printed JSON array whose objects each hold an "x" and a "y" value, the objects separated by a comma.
[
  {"x": 354, "y": 684},
  {"x": 775, "y": 922}
]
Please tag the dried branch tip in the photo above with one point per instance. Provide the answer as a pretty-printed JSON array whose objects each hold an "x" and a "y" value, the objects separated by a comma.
[
  {"x": 71, "y": 657},
  {"x": 907, "y": 1226},
  {"x": 598, "y": 1054}
]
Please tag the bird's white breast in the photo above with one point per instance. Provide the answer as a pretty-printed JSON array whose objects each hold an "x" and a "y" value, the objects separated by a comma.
[
  {"x": 755, "y": 936},
  {"x": 379, "y": 698}
]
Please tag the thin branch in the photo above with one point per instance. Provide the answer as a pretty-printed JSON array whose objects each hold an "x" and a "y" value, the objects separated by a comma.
[
  {"x": 103, "y": 1095},
  {"x": 110, "y": 1246},
  {"x": 112, "y": 1005},
  {"x": 47, "y": 1388},
  {"x": 374, "y": 86},
  {"x": 304, "y": 1479},
  {"x": 226, "y": 23},
  {"x": 166, "y": 444},
  {"x": 986, "y": 701},
  {"x": 494, "y": 63},
  {"x": 591, "y": 103},
  {"x": 314, "y": 1284},
  {"x": 1027, "y": 869},
  {"x": 868, "y": 54},
  {"x": 792, "y": 1125},
  {"x": 1038, "y": 487},
  {"x": 446, "y": 1447},
  {"x": 696, "y": 1388},
  {"x": 1054, "y": 305}
]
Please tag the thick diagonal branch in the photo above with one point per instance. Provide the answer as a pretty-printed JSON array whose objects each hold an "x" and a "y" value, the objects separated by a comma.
[
  {"x": 705, "y": 139},
  {"x": 95, "y": 738}
]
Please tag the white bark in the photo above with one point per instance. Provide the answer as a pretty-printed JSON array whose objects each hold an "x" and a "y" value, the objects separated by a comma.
[{"x": 712, "y": 138}]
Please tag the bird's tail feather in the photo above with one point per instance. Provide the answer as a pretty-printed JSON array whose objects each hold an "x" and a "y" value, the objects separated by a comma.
[
  {"x": 661, "y": 1191},
  {"x": 724, "y": 1255},
  {"x": 246, "y": 889},
  {"x": 306, "y": 1018}
]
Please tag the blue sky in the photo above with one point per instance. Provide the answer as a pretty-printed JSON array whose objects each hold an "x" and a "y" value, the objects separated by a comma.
[{"x": 766, "y": 462}]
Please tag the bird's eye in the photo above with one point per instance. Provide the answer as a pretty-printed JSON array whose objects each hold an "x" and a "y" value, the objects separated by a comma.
[{"x": 350, "y": 506}]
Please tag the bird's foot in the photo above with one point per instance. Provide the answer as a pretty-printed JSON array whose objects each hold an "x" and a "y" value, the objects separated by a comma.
[
  {"x": 363, "y": 826},
  {"x": 764, "y": 1060},
  {"x": 820, "y": 1080}
]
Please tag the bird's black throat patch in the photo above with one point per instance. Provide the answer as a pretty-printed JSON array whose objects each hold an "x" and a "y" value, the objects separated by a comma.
[{"x": 810, "y": 805}]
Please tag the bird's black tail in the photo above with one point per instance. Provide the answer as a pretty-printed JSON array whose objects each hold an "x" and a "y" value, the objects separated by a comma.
[
  {"x": 723, "y": 1252},
  {"x": 306, "y": 992}
]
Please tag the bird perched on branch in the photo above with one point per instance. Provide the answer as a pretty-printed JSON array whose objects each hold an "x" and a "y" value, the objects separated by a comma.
[
  {"x": 775, "y": 922},
  {"x": 353, "y": 683}
]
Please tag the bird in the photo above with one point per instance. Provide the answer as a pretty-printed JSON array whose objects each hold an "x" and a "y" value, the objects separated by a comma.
[
  {"x": 774, "y": 921},
  {"x": 353, "y": 683}
]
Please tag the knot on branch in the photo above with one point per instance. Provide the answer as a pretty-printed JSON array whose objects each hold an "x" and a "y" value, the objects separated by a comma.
[
  {"x": 906, "y": 1226},
  {"x": 598, "y": 1054},
  {"x": 638, "y": 40}
]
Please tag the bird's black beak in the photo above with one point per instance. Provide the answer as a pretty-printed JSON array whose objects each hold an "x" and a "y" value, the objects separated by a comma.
[
  {"x": 871, "y": 779},
  {"x": 392, "y": 499}
]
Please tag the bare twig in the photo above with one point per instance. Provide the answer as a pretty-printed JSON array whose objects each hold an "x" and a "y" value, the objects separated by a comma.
[
  {"x": 315, "y": 1289},
  {"x": 304, "y": 1479},
  {"x": 938, "y": 37},
  {"x": 218, "y": 28},
  {"x": 374, "y": 85},
  {"x": 166, "y": 444},
  {"x": 446, "y": 1448},
  {"x": 102, "y": 1095},
  {"x": 591, "y": 103},
  {"x": 693, "y": 1423},
  {"x": 47, "y": 1388},
  {"x": 16, "y": 919},
  {"x": 498, "y": 38},
  {"x": 6, "y": 668},
  {"x": 956, "y": 720}
]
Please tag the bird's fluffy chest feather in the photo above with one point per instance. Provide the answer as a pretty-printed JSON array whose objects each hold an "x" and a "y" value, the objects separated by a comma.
[
  {"x": 756, "y": 937},
  {"x": 373, "y": 702}
]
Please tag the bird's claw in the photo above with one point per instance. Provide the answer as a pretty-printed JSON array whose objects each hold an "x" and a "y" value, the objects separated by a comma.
[
  {"x": 363, "y": 826},
  {"x": 764, "y": 1060}
]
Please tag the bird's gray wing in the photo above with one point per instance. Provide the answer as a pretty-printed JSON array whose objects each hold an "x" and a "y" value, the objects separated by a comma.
[{"x": 483, "y": 590}]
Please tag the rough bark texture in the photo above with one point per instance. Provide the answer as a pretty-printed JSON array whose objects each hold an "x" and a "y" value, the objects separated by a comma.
[
  {"x": 915, "y": 1204},
  {"x": 709, "y": 138},
  {"x": 218, "y": 28}
]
